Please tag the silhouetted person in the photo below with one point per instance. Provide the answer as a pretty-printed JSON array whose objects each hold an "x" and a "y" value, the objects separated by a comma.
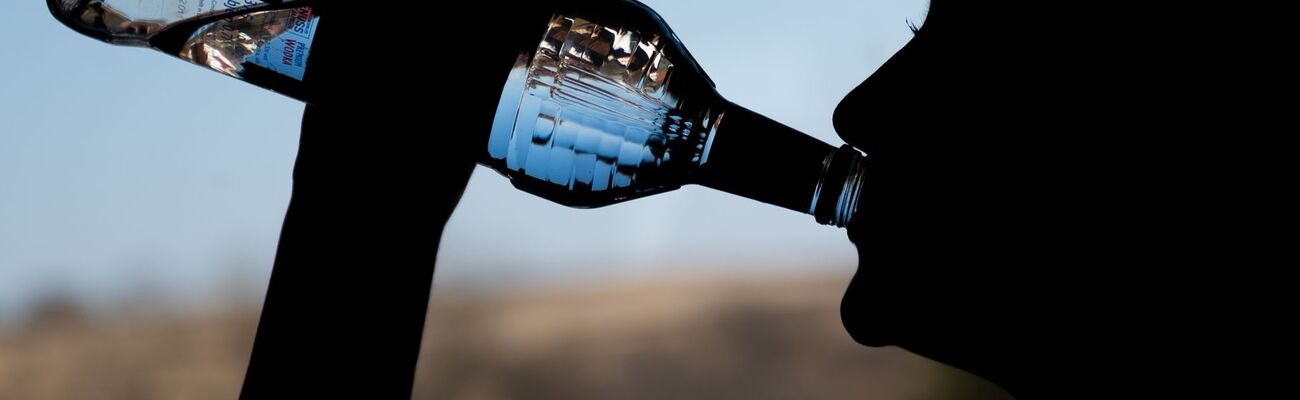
[
  {"x": 1028, "y": 215},
  {"x": 1024, "y": 216}
]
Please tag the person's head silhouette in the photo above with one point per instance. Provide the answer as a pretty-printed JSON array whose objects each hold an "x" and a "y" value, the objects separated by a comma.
[{"x": 995, "y": 198}]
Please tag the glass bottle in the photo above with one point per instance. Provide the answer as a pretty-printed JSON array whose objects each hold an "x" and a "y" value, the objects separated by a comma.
[
  {"x": 266, "y": 43},
  {"x": 603, "y": 105}
]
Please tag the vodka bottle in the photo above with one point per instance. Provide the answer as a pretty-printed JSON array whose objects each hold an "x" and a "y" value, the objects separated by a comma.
[{"x": 602, "y": 103}]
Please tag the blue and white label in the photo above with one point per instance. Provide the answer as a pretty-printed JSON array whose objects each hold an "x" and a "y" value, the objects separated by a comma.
[{"x": 287, "y": 52}]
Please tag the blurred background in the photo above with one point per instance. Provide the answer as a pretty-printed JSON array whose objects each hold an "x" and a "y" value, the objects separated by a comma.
[{"x": 141, "y": 199}]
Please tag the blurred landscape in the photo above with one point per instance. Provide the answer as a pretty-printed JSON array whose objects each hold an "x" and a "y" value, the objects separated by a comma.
[{"x": 692, "y": 339}]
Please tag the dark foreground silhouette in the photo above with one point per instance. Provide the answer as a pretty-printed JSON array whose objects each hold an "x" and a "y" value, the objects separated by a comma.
[{"x": 1029, "y": 215}]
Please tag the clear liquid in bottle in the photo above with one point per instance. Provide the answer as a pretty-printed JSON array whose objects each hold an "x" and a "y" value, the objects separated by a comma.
[
  {"x": 609, "y": 106},
  {"x": 267, "y": 44},
  {"x": 588, "y": 118},
  {"x": 604, "y": 105}
]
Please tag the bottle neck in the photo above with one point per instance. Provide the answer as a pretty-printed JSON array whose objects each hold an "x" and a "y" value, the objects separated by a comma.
[
  {"x": 755, "y": 157},
  {"x": 836, "y": 199}
]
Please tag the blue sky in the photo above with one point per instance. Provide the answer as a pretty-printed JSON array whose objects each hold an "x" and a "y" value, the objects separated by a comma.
[{"x": 124, "y": 170}]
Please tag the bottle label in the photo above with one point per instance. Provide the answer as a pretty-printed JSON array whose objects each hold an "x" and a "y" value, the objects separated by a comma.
[
  {"x": 278, "y": 41},
  {"x": 287, "y": 53}
]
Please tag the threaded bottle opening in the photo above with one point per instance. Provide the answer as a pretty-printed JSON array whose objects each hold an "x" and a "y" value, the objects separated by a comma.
[{"x": 835, "y": 200}]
